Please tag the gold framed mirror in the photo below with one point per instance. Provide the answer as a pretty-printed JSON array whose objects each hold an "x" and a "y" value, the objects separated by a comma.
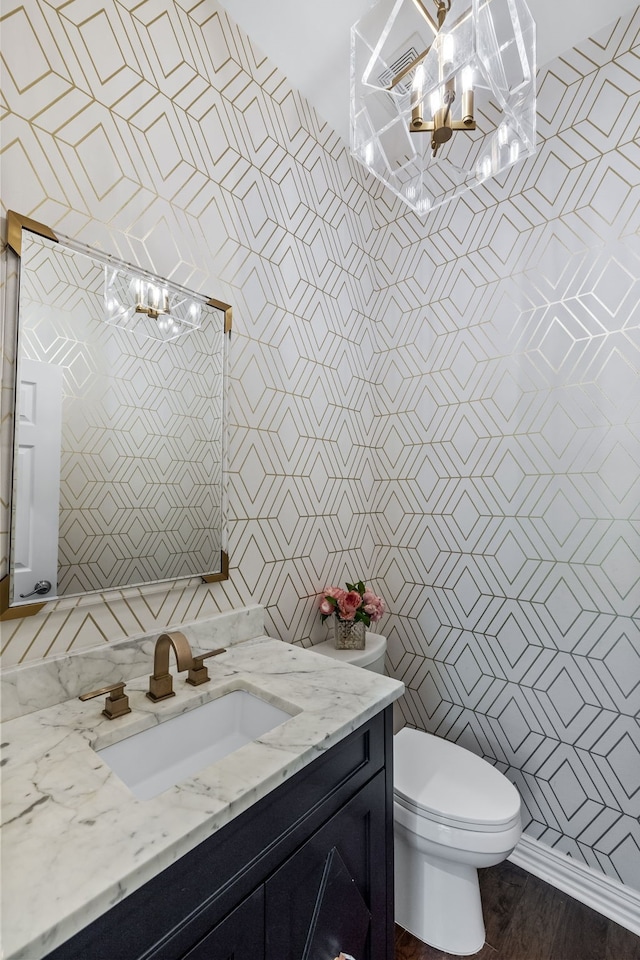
[{"x": 118, "y": 470}]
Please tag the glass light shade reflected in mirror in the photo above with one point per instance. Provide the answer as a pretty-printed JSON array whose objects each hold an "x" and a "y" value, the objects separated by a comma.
[{"x": 151, "y": 308}]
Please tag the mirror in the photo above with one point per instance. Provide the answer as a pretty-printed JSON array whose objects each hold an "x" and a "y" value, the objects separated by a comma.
[{"x": 118, "y": 466}]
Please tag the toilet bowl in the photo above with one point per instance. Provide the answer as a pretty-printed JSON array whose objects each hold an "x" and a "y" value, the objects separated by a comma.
[{"x": 453, "y": 812}]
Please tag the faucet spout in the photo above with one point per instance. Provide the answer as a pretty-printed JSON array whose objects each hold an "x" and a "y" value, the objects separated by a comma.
[{"x": 161, "y": 681}]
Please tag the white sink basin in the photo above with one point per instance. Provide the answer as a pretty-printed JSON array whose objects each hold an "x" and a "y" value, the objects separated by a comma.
[{"x": 153, "y": 760}]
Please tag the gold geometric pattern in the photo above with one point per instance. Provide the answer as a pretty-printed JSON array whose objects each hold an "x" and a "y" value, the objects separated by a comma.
[
  {"x": 140, "y": 472},
  {"x": 509, "y": 456},
  {"x": 448, "y": 409}
]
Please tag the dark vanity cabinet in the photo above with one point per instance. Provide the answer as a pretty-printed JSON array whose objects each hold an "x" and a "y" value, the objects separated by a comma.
[{"x": 304, "y": 874}]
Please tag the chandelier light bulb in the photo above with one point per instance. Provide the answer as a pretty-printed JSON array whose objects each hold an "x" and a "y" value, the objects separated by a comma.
[
  {"x": 418, "y": 81},
  {"x": 467, "y": 80},
  {"x": 150, "y": 308},
  {"x": 448, "y": 46}
]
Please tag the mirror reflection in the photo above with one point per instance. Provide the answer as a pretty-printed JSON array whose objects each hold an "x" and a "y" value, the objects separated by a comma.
[{"x": 118, "y": 460}]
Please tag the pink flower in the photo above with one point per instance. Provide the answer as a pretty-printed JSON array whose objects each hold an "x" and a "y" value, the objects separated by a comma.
[
  {"x": 373, "y": 606},
  {"x": 348, "y": 604},
  {"x": 378, "y": 614},
  {"x": 347, "y": 614},
  {"x": 335, "y": 592},
  {"x": 352, "y": 599}
]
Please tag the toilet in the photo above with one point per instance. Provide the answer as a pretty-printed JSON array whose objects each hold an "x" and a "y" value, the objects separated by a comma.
[{"x": 453, "y": 813}]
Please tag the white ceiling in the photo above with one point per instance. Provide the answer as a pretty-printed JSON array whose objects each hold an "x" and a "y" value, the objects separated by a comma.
[{"x": 310, "y": 41}]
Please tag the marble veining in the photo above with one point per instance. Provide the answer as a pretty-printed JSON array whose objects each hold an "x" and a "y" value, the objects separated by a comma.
[
  {"x": 75, "y": 841},
  {"x": 33, "y": 686}
]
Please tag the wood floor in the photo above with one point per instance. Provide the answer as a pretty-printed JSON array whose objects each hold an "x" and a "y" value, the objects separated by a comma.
[{"x": 526, "y": 919}]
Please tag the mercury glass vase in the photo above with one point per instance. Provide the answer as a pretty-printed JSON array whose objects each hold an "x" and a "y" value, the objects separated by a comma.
[{"x": 349, "y": 634}]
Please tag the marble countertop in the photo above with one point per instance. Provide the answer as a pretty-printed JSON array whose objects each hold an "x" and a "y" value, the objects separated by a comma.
[{"x": 75, "y": 841}]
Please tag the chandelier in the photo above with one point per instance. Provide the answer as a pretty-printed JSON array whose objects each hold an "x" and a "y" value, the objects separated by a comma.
[
  {"x": 442, "y": 98},
  {"x": 149, "y": 306}
]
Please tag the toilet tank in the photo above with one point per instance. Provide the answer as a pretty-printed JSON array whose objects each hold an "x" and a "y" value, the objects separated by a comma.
[{"x": 371, "y": 658}]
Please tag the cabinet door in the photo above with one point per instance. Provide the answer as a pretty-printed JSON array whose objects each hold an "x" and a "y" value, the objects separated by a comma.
[
  {"x": 240, "y": 936},
  {"x": 314, "y": 903}
]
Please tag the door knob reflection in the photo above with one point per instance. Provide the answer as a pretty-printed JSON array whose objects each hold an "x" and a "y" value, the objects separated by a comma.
[{"x": 40, "y": 588}]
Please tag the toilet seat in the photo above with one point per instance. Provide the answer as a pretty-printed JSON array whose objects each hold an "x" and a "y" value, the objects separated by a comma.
[
  {"x": 442, "y": 782},
  {"x": 419, "y": 812}
]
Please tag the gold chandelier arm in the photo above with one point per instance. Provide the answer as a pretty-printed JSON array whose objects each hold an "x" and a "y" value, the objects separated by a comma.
[
  {"x": 425, "y": 13},
  {"x": 414, "y": 63}
]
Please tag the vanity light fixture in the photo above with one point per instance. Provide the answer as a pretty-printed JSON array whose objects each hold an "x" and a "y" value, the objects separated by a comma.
[
  {"x": 442, "y": 100},
  {"x": 148, "y": 305}
]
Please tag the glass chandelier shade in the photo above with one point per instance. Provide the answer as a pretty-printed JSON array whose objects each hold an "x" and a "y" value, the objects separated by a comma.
[
  {"x": 442, "y": 94},
  {"x": 149, "y": 306}
]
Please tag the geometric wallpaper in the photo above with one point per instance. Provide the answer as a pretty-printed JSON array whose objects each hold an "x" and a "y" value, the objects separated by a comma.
[
  {"x": 160, "y": 135},
  {"x": 140, "y": 470},
  {"x": 508, "y": 498},
  {"x": 447, "y": 408}
]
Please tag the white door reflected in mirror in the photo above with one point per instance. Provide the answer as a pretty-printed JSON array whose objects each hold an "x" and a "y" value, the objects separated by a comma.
[{"x": 35, "y": 554}]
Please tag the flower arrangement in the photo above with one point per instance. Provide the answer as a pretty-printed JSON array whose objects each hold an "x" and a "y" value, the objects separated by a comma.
[{"x": 356, "y": 604}]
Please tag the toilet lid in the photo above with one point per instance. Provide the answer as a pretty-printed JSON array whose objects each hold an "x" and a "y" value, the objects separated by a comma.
[{"x": 452, "y": 783}]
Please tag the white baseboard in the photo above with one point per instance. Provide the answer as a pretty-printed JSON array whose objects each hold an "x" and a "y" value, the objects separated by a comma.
[{"x": 609, "y": 897}]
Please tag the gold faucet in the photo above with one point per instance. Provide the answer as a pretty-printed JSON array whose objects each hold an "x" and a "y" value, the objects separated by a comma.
[
  {"x": 198, "y": 673},
  {"x": 116, "y": 704},
  {"x": 161, "y": 682}
]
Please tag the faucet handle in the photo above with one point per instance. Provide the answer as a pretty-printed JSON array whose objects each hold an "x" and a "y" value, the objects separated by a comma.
[
  {"x": 116, "y": 704},
  {"x": 198, "y": 673}
]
